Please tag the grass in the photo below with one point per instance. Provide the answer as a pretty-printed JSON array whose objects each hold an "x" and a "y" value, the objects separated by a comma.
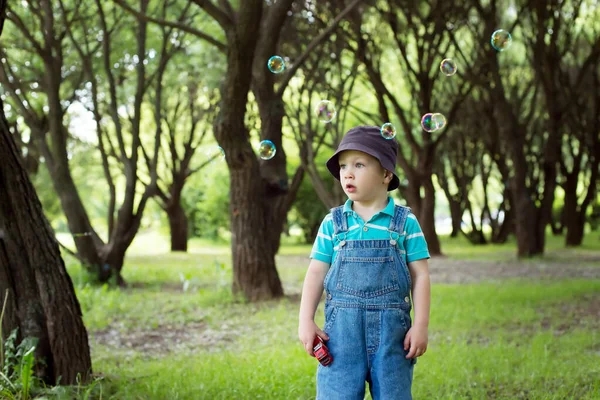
[{"x": 514, "y": 339}]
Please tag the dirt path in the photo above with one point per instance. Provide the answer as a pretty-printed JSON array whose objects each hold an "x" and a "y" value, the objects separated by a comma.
[
  {"x": 444, "y": 270},
  {"x": 555, "y": 265}
]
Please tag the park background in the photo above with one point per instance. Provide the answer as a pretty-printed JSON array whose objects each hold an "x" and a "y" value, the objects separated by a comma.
[{"x": 183, "y": 244}]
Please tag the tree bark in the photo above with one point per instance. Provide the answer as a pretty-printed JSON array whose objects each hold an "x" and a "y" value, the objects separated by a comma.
[
  {"x": 254, "y": 271},
  {"x": 178, "y": 222},
  {"x": 427, "y": 217},
  {"x": 575, "y": 230},
  {"x": 456, "y": 216},
  {"x": 42, "y": 301},
  {"x": 574, "y": 213}
]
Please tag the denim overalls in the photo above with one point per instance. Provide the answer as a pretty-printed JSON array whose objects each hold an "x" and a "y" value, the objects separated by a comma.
[{"x": 367, "y": 315}]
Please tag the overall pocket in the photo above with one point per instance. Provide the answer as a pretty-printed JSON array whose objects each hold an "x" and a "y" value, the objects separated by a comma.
[{"x": 370, "y": 273}]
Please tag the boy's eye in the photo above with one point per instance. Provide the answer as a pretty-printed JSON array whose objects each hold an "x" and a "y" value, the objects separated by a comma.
[
  {"x": 342, "y": 166},
  {"x": 359, "y": 165}
]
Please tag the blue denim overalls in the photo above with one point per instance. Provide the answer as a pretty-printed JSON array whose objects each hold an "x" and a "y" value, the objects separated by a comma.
[{"x": 367, "y": 315}]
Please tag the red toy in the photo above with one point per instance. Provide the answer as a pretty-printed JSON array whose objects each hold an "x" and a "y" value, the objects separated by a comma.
[{"x": 321, "y": 352}]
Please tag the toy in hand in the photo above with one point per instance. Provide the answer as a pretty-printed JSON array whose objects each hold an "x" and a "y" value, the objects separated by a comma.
[{"x": 321, "y": 352}]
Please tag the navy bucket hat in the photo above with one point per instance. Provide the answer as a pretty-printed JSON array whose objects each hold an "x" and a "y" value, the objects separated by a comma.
[{"x": 368, "y": 139}]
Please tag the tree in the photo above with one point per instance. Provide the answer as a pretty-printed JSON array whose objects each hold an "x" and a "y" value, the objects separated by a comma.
[
  {"x": 41, "y": 297},
  {"x": 565, "y": 58},
  {"x": 534, "y": 97},
  {"x": 259, "y": 189}
]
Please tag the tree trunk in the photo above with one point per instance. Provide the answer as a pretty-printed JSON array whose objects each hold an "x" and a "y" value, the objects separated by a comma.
[
  {"x": 574, "y": 213},
  {"x": 427, "y": 218},
  {"x": 456, "y": 215},
  {"x": 42, "y": 301},
  {"x": 526, "y": 229},
  {"x": 575, "y": 230},
  {"x": 273, "y": 172},
  {"x": 178, "y": 222},
  {"x": 413, "y": 196},
  {"x": 86, "y": 240},
  {"x": 500, "y": 235},
  {"x": 254, "y": 271}
]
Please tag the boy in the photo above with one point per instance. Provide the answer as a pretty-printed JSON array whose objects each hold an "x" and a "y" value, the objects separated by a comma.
[{"x": 378, "y": 255}]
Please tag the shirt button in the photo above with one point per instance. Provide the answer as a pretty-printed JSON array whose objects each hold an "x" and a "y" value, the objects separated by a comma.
[
  {"x": 329, "y": 296},
  {"x": 365, "y": 229},
  {"x": 406, "y": 299}
]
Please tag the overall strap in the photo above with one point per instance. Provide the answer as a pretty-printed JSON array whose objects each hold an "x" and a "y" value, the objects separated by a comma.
[
  {"x": 340, "y": 224},
  {"x": 399, "y": 219}
]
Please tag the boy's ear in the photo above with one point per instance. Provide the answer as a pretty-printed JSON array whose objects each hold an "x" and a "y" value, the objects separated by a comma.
[{"x": 388, "y": 175}]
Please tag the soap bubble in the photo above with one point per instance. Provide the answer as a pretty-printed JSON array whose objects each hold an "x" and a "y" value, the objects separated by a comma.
[
  {"x": 448, "y": 67},
  {"x": 276, "y": 64},
  {"x": 325, "y": 111},
  {"x": 438, "y": 120},
  {"x": 427, "y": 122},
  {"x": 388, "y": 131},
  {"x": 266, "y": 150},
  {"x": 501, "y": 40},
  {"x": 433, "y": 121}
]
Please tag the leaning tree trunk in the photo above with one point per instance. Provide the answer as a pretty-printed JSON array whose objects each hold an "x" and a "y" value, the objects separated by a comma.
[{"x": 42, "y": 301}]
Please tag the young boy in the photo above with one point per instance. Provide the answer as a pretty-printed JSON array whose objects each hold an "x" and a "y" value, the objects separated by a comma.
[{"x": 378, "y": 255}]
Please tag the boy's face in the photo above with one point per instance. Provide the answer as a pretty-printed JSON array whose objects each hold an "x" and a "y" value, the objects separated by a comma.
[{"x": 362, "y": 176}]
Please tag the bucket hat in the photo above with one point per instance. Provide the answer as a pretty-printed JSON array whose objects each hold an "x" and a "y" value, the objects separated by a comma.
[{"x": 368, "y": 139}]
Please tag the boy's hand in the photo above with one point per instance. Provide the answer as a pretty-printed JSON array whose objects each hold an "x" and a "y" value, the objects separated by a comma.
[
  {"x": 416, "y": 339},
  {"x": 306, "y": 333}
]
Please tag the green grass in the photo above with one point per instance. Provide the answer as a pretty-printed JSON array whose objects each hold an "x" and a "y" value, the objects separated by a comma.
[{"x": 514, "y": 339}]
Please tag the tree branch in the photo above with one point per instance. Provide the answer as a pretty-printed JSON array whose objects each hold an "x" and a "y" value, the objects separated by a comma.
[
  {"x": 314, "y": 43},
  {"x": 183, "y": 27},
  {"x": 219, "y": 15}
]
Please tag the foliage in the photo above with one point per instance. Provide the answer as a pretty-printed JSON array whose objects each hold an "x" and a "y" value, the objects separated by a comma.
[
  {"x": 206, "y": 201},
  {"x": 16, "y": 378}
]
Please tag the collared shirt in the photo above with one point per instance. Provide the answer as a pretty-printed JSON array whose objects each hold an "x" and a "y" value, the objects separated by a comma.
[{"x": 376, "y": 228}]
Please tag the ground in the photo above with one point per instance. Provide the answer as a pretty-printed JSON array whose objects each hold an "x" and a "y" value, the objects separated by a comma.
[{"x": 166, "y": 338}]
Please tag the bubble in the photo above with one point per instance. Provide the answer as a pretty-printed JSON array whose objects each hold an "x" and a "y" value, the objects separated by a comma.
[
  {"x": 215, "y": 153},
  {"x": 266, "y": 150},
  {"x": 433, "y": 121},
  {"x": 325, "y": 111},
  {"x": 388, "y": 131},
  {"x": 276, "y": 64},
  {"x": 501, "y": 40},
  {"x": 448, "y": 67},
  {"x": 427, "y": 122},
  {"x": 438, "y": 120}
]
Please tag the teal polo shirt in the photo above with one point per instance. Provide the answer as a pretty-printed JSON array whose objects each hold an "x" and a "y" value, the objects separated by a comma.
[{"x": 376, "y": 228}]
